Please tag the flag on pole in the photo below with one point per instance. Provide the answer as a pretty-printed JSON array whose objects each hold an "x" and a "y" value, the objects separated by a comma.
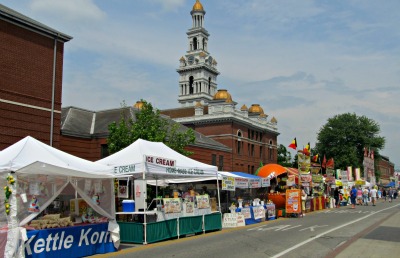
[
  {"x": 330, "y": 163},
  {"x": 306, "y": 149},
  {"x": 315, "y": 158},
  {"x": 324, "y": 162},
  {"x": 293, "y": 144}
]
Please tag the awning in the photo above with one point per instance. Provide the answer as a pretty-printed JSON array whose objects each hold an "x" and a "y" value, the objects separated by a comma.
[
  {"x": 242, "y": 174},
  {"x": 292, "y": 171}
]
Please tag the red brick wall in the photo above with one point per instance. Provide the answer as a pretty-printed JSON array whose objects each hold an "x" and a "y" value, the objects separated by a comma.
[
  {"x": 89, "y": 149},
  {"x": 205, "y": 156},
  {"x": 226, "y": 133},
  {"x": 26, "y": 77}
]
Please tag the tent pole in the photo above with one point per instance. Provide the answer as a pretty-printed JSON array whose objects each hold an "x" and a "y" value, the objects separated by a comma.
[{"x": 219, "y": 199}]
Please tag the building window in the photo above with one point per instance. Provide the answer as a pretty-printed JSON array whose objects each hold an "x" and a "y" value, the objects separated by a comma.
[
  {"x": 104, "y": 151},
  {"x": 248, "y": 150},
  {"x": 252, "y": 150},
  {"x": 239, "y": 142},
  {"x": 252, "y": 169},
  {"x": 261, "y": 152},
  {"x": 214, "y": 159},
  {"x": 221, "y": 163}
]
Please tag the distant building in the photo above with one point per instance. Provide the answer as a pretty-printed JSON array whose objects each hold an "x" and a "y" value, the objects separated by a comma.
[
  {"x": 31, "y": 58},
  {"x": 386, "y": 170}
]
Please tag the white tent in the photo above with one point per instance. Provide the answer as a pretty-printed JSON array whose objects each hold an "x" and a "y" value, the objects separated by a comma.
[
  {"x": 39, "y": 168},
  {"x": 155, "y": 160}
]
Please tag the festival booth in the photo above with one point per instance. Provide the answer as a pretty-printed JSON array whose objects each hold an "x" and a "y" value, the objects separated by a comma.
[
  {"x": 144, "y": 160},
  {"x": 245, "y": 210},
  {"x": 54, "y": 204}
]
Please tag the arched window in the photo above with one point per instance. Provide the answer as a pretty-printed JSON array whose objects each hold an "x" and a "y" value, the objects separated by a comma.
[
  {"x": 271, "y": 153},
  {"x": 209, "y": 85},
  {"x": 239, "y": 142},
  {"x": 195, "y": 43},
  {"x": 191, "y": 84},
  {"x": 204, "y": 44}
]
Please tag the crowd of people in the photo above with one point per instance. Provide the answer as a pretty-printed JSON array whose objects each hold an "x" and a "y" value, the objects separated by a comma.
[{"x": 359, "y": 196}]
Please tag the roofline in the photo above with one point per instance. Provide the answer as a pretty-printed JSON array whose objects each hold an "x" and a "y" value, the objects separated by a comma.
[{"x": 18, "y": 19}]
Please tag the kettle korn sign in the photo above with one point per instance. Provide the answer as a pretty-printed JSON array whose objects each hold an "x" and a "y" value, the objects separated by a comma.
[{"x": 76, "y": 241}]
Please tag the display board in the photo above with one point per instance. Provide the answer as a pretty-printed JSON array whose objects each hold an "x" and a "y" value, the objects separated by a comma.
[{"x": 293, "y": 201}]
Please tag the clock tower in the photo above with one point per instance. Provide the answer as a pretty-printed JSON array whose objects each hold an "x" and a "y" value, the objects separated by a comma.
[{"x": 197, "y": 70}]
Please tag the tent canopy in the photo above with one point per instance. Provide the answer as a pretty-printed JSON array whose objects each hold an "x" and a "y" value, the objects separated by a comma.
[
  {"x": 242, "y": 174},
  {"x": 34, "y": 157},
  {"x": 155, "y": 160}
]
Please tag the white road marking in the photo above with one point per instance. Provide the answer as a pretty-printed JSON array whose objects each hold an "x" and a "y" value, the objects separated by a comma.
[{"x": 326, "y": 232}]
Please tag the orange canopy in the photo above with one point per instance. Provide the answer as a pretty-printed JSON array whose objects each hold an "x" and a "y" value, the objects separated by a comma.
[{"x": 271, "y": 170}]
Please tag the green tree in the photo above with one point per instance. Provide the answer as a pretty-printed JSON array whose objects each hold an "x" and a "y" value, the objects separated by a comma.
[
  {"x": 284, "y": 156},
  {"x": 149, "y": 125},
  {"x": 344, "y": 137}
]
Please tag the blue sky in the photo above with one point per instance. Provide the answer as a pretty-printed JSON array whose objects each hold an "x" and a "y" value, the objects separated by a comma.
[{"x": 302, "y": 61}]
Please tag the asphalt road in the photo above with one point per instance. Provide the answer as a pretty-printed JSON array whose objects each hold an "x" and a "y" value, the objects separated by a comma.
[{"x": 326, "y": 233}]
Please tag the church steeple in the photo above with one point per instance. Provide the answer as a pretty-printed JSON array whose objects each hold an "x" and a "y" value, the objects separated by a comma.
[{"x": 198, "y": 70}]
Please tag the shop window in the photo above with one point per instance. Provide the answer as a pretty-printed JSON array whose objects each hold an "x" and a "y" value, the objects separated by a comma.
[
  {"x": 221, "y": 163},
  {"x": 104, "y": 151},
  {"x": 213, "y": 159}
]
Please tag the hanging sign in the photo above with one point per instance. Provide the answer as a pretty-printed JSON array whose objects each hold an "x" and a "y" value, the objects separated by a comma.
[
  {"x": 265, "y": 182},
  {"x": 254, "y": 183},
  {"x": 228, "y": 183},
  {"x": 241, "y": 182}
]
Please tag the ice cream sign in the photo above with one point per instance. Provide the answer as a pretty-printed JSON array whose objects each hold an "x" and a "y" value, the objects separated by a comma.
[{"x": 160, "y": 161}]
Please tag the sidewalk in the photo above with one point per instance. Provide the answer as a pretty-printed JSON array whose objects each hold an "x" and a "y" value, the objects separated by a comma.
[{"x": 383, "y": 241}]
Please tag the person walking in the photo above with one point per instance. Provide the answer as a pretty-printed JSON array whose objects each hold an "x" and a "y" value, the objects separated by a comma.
[
  {"x": 390, "y": 194},
  {"x": 353, "y": 196},
  {"x": 336, "y": 197},
  {"x": 384, "y": 194},
  {"x": 359, "y": 196},
  {"x": 303, "y": 201},
  {"x": 365, "y": 196},
  {"x": 373, "y": 194}
]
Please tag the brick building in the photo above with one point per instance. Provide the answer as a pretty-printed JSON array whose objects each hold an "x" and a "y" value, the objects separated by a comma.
[
  {"x": 31, "y": 58},
  {"x": 386, "y": 169}
]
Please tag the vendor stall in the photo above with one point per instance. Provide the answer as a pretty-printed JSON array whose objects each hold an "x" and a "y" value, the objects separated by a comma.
[
  {"x": 50, "y": 198},
  {"x": 145, "y": 160}
]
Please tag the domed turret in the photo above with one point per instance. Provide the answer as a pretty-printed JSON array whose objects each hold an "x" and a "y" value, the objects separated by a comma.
[
  {"x": 223, "y": 94},
  {"x": 197, "y": 6},
  {"x": 255, "y": 108},
  {"x": 138, "y": 104}
]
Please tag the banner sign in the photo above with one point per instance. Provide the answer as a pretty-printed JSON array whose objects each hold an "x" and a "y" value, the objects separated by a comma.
[
  {"x": 254, "y": 183},
  {"x": 271, "y": 211},
  {"x": 345, "y": 178},
  {"x": 160, "y": 161},
  {"x": 265, "y": 182},
  {"x": 293, "y": 201},
  {"x": 246, "y": 212},
  {"x": 172, "y": 205},
  {"x": 77, "y": 241},
  {"x": 291, "y": 180},
  {"x": 233, "y": 220},
  {"x": 241, "y": 182},
  {"x": 317, "y": 178},
  {"x": 305, "y": 178},
  {"x": 304, "y": 162},
  {"x": 202, "y": 201},
  {"x": 259, "y": 212},
  {"x": 228, "y": 183}
]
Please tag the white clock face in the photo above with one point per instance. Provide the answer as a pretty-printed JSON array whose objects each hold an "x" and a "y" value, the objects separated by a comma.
[{"x": 190, "y": 59}]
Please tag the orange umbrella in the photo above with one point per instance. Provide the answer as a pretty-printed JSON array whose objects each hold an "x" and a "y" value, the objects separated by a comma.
[{"x": 271, "y": 170}]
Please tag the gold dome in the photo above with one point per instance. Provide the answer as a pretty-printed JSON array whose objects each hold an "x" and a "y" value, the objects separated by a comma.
[
  {"x": 255, "y": 108},
  {"x": 244, "y": 107},
  {"x": 274, "y": 120},
  {"x": 223, "y": 94},
  {"x": 182, "y": 59},
  {"x": 198, "y": 6},
  {"x": 138, "y": 104}
]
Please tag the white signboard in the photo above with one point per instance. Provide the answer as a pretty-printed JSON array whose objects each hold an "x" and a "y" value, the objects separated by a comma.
[
  {"x": 232, "y": 220},
  {"x": 259, "y": 212},
  {"x": 246, "y": 213},
  {"x": 265, "y": 182},
  {"x": 241, "y": 182},
  {"x": 254, "y": 183}
]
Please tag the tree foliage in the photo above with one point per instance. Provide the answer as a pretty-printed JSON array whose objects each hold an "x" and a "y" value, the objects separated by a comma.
[
  {"x": 149, "y": 125},
  {"x": 284, "y": 156},
  {"x": 344, "y": 137}
]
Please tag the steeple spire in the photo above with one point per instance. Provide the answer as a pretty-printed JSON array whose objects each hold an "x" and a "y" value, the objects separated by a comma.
[{"x": 197, "y": 70}]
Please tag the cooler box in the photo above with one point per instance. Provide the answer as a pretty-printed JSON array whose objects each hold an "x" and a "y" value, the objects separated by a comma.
[{"x": 128, "y": 205}]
